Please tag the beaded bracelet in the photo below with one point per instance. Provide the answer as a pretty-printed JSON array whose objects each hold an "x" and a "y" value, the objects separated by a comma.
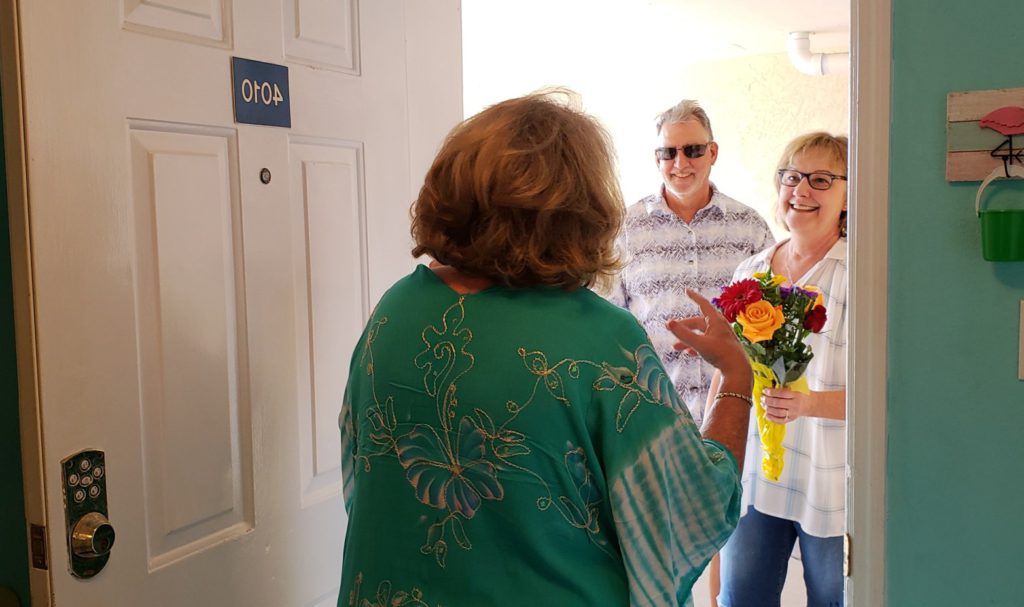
[{"x": 743, "y": 397}]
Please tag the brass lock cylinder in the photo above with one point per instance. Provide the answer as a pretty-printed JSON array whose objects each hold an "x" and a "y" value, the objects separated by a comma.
[{"x": 93, "y": 536}]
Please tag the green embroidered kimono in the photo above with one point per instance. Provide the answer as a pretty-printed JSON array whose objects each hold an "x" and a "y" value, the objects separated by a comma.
[{"x": 521, "y": 447}]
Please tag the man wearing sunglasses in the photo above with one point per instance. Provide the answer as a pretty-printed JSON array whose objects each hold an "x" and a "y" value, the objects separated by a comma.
[{"x": 687, "y": 236}]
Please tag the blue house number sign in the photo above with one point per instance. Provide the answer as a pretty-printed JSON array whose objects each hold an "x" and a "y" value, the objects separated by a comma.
[{"x": 260, "y": 92}]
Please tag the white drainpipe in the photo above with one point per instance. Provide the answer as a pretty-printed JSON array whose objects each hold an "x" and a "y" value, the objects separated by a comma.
[{"x": 814, "y": 64}]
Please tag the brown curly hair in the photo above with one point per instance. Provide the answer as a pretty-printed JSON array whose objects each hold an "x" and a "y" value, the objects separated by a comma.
[{"x": 524, "y": 193}]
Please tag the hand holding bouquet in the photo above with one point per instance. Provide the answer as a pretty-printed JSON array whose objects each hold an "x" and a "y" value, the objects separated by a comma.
[{"x": 772, "y": 322}]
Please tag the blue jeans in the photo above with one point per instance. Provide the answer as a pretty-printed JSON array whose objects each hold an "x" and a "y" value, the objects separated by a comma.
[{"x": 755, "y": 560}]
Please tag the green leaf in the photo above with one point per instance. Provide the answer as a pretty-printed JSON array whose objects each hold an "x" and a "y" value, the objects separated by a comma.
[
  {"x": 441, "y": 553},
  {"x": 460, "y": 534},
  {"x": 759, "y": 350},
  {"x": 486, "y": 423},
  {"x": 381, "y": 438},
  {"x": 434, "y": 535},
  {"x": 575, "y": 515},
  {"x": 553, "y": 382},
  {"x": 592, "y": 525},
  {"x": 389, "y": 414},
  {"x": 507, "y": 450},
  {"x": 376, "y": 420},
  {"x": 511, "y": 436},
  {"x": 627, "y": 406}
]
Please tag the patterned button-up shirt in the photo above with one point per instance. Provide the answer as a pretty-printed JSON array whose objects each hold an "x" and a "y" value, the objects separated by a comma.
[{"x": 665, "y": 256}]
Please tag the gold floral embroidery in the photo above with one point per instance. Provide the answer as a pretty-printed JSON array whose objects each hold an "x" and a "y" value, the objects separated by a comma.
[
  {"x": 581, "y": 509},
  {"x": 456, "y": 465},
  {"x": 384, "y": 597},
  {"x": 381, "y": 414},
  {"x": 647, "y": 383}
]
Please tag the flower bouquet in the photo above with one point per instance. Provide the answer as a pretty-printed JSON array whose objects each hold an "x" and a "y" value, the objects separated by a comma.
[{"x": 772, "y": 322}]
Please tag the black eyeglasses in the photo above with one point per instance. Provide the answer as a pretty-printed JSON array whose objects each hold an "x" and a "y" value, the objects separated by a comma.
[
  {"x": 817, "y": 181},
  {"x": 694, "y": 150}
]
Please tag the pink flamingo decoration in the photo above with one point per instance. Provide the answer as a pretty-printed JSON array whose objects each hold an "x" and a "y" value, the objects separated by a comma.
[{"x": 1009, "y": 121}]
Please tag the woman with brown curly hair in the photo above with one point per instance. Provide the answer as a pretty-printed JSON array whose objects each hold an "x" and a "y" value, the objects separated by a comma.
[{"x": 509, "y": 437}]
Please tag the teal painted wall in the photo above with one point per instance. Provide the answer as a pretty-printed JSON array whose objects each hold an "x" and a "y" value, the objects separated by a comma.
[
  {"x": 955, "y": 530},
  {"x": 13, "y": 544}
]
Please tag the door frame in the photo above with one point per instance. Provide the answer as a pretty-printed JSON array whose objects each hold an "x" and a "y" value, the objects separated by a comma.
[
  {"x": 868, "y": 361},
  {"x": 33, "y": 478}
]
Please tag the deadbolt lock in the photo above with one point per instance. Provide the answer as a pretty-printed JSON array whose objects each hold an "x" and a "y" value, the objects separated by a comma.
[
  {"x": 90, "y": 534},
  {"x": 93, "y": 536}
]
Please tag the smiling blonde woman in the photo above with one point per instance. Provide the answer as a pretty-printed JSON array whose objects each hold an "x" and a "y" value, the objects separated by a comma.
[{"x": 806, "y": 504}]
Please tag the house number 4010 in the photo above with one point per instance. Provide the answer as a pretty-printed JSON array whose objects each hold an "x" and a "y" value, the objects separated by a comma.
[{"x": 267, "y": 93}]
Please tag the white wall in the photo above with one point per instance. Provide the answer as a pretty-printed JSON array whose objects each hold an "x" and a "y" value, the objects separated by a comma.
[
  {"x": 628, "y": 70},
  {"x": 757, "y": 105},
  {"x": 433, "y": 48}
]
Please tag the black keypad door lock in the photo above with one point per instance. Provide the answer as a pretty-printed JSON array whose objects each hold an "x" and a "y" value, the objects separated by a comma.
[{"x": 89, "y": 532}]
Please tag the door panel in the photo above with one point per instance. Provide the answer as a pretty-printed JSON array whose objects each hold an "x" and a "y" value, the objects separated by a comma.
[
  {"x": 323, "y": 33},
  {"x": 193, "y": 319},
  {"x": 191, "y": 327},
  {"x": 331, "y": 298},
  {"x": 202, "y": 21}
]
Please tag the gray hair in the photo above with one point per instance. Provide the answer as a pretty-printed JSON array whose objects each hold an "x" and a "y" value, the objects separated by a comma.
[{"x": 681, "y": 112}]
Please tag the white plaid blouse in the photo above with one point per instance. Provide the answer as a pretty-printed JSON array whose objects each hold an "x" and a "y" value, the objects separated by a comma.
[{"x": 812, "y": 487}]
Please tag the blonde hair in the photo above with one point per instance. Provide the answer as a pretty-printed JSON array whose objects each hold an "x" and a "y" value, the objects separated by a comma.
[
  {"x": 836, "y": 146},
  {"x": 524, "y": 193}
]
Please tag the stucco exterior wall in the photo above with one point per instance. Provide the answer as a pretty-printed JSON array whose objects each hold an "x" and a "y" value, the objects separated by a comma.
[{"x": 756, "y": 104}]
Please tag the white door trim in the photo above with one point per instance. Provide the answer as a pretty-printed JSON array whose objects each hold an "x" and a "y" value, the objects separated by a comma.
[
  {"x": 33, "y": 480},
  {"x": 867, "y": 364}
]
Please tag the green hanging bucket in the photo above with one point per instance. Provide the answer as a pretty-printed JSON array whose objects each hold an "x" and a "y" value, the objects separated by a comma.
[{"x": 1002, "y": 230}]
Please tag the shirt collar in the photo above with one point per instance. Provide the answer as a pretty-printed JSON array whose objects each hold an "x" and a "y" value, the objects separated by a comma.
[
  {"x": 656, "y": 204},
  {"x": 837, "y": 252}
]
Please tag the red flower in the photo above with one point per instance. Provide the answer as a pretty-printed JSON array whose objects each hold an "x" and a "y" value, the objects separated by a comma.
[
  {"x": 737, "y": 296},
  {"x": 815, "y": 319}
]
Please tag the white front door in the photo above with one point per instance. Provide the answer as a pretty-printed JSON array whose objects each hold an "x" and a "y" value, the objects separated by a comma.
[{"x": 193, "y": 322}]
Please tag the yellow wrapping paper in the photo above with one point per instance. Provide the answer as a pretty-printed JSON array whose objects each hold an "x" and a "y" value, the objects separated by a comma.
[{"x": 771, "y": 433}]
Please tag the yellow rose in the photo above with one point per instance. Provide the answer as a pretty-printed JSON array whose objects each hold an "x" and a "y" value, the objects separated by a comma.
[{"x": 760, "y": 320}]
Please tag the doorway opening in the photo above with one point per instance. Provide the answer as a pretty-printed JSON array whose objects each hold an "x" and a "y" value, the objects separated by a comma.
[{"x": 630, "y": 61}]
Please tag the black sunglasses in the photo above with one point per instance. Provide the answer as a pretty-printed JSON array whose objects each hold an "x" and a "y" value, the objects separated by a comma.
[{"x": 694, "y": 150}]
